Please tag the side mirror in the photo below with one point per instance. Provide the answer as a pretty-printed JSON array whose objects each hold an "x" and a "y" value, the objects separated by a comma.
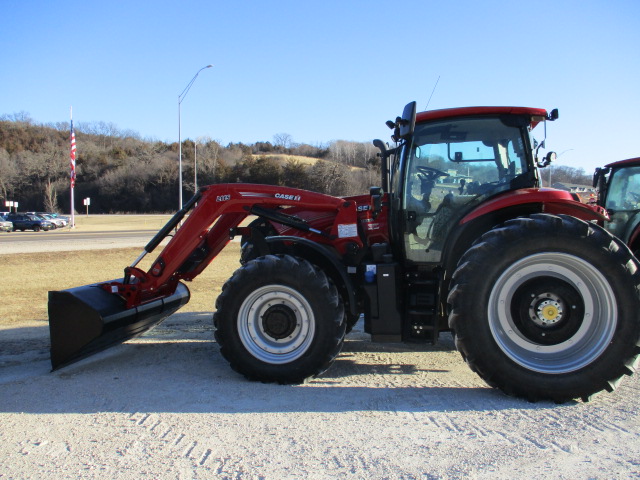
[
  {"x": 596, "y": 177},
  {"x": 549, "y": 157},
  {"x": 600, "y": 179}
]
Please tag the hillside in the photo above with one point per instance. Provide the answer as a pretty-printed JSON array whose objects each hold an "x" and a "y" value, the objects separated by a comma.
[{"x": 120, "y": 172}]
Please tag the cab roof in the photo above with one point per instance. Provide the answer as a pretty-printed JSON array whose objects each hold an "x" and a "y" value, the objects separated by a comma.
[
  {"x": 624, "y": 163},
  {"x": 536, "y": 114}
]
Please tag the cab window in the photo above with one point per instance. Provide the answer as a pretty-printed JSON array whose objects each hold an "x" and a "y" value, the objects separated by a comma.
[
  {"x": 623, "y": 200},
  {"x": 451, "y": 166},
  {"x": 624, "y": 190}
]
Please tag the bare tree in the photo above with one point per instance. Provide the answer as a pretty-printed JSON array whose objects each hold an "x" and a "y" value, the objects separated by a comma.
[
  {"x": 8, "y": 175},
  {"x": 336, "y": 151},
  {"x": 283, "y": 140},
  {"x": 208, "y": 157},
  {"x": 50, "y": 196},
  {"x": 19, "y": 117}
]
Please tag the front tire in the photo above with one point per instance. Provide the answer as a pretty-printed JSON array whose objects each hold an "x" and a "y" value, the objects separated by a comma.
[
  {"x": 279, "y": 319},
  {"x": 546, "y": 308}
]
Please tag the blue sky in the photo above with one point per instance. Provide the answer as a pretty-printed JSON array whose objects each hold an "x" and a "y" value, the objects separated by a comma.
[{"x": 325, "y": 70}]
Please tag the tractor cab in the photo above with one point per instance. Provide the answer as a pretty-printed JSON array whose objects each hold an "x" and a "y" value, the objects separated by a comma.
[
  {"x": 450, "y": 161},
  {"x": 618, "y": 187}
]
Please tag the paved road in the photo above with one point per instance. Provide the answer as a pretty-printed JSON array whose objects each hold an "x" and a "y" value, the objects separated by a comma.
[
  {"x": 65, "y": 240},
  {"x": 64, "y": 235}
]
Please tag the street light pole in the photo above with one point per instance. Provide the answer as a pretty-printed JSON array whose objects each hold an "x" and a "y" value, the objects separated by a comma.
[
  {"x": 557, "y": 157},
  {"x": 180, "y": 98}
]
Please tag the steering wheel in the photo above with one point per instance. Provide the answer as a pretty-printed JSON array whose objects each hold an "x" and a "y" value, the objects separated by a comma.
[{"x": 431, "y": 173}]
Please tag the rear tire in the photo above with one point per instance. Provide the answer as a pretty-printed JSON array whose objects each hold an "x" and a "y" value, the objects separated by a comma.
[
  {"x": 279, "y": 319},
  {"x": 546, "y": 308}
]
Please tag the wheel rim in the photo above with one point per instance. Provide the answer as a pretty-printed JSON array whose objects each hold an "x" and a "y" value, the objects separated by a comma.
[
  {"x": 276, "y": 324},
  {"x": 557, "y": 329}
]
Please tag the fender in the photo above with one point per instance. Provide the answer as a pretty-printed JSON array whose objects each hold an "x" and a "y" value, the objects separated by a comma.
[
  {"x": 634, "y": 237},
  {"x": 321, "y": 256},
  {"x": 632, "y": 233},
  {"x": 553, "y": 201}
]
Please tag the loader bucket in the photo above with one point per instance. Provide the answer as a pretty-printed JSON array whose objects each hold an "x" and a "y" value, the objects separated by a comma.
[{"x": 85, "y": 320}]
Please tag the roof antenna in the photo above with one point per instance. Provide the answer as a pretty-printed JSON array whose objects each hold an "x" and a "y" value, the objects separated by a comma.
[{"x": 434, "y": 89}]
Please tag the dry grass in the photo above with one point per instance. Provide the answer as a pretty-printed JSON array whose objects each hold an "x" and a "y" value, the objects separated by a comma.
[
  {"x": 282, "y": 158},
  {"x": 89, "y": 223},
  {"x": 26, "y": 278}
]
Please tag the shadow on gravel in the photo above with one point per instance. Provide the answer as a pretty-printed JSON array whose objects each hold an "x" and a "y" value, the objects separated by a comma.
[
  {"x": 20, "y": 345},
  {"x": 192, "y": 377}
]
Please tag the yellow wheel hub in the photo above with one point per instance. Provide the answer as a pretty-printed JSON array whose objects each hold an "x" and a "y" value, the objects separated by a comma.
[{"x": 550, "y": 312}]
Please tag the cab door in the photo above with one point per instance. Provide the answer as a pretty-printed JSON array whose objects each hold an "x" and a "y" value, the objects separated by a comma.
[{"x": 450, "y": 167}]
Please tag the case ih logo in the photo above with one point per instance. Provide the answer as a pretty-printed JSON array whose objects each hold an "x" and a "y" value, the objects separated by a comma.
[{"x": 282, "y": 196}]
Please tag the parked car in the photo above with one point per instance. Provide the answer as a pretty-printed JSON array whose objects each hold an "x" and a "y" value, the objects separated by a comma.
[
  {"x": 60, "y": 219},
  {"x": 5, "y": 225},
  {"x": 55, "y": 218},
  {"x": 57, "y": 223},
  {"x": 24, "y": 221},
  {"x": 42, "y": 216}
]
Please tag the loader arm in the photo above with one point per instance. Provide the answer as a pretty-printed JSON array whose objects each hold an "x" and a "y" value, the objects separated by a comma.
[
  {"x": 85, "y": 320},
  {"x": 215, "y": 213}
]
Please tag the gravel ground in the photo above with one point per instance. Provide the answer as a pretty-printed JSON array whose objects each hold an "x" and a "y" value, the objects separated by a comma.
[{"x": 167, "y": 405}]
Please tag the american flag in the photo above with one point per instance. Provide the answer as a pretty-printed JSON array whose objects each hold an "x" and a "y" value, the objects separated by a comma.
[{"x": 72, "y": 157}]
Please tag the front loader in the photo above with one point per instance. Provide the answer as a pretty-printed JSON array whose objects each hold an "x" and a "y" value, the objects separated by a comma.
[{"x": 459, "y": 236}]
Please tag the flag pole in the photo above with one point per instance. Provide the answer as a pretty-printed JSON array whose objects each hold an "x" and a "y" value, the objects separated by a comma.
[{"x": 72, "y": 165}]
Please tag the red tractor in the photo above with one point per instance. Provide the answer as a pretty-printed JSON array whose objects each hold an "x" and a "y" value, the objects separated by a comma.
[
  {"x": 542, "y": 301},
  {"x": 618, "y": 187}
]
